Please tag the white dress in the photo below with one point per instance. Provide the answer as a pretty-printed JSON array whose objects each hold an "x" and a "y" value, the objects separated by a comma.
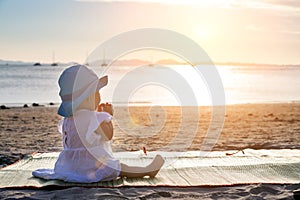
[{"x": 87, "y": 157}]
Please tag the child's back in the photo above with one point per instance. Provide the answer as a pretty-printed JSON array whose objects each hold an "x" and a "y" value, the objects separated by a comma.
[{"x": 86, "y": 156}]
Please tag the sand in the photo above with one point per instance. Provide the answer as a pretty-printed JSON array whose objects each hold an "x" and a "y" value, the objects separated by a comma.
[{"x": 257, "y": 126}]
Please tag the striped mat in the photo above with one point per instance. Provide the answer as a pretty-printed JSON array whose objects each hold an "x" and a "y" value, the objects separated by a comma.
[{"x": 181, "y": 169}]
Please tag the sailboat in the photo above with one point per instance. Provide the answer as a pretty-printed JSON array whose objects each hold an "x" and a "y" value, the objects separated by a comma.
[
  {"x": 53, "y": 60},
  {"x": 104, "y": 64},
  {"x": 151, "y": 63}
]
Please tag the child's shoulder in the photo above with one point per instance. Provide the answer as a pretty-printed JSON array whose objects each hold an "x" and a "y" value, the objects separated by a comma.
[
  {"x": 83, "y": 112},
  {"x": 92, "y": 115}
]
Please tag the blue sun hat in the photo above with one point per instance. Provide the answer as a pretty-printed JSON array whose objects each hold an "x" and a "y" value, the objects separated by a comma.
[{"x": 76, "y": 84}]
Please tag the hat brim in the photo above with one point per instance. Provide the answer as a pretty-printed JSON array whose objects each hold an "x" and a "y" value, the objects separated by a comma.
[{"x": 102, "y": 82}]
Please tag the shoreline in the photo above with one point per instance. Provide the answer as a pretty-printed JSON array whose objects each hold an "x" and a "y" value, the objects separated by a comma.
[{"x": 140, "y": 104}]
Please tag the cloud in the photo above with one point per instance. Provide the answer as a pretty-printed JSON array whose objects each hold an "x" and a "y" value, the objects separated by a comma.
[
  {"x": 174, "y": 2},
  {"x": 291, "y": 32},
  {"x": 288, "y": 3},
  {"x": 278, "y": 5},
  {"x": 253, "y": 27},
  {"x": 272, "y": 30}
]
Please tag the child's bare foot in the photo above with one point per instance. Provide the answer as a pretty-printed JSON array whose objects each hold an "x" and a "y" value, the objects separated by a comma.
[{"x": 156, "y": 165}]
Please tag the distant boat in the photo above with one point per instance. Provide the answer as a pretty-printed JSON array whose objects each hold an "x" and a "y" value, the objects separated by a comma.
[
  {"x": 151, "y": 64},
  {"x": 53, "y": 60},
  {"x": 104, "y": 64},
  {"x": 37, "y": 64}
]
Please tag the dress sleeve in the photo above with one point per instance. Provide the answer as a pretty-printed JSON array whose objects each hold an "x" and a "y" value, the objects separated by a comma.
[
  {"x": 95, "y": 121},
  {"x": 103, "y": 116}
]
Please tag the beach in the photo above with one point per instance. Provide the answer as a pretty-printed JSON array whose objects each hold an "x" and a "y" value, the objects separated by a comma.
[
  {"x": 211, "y": 86},
  {"x": 257, "y": 126}
]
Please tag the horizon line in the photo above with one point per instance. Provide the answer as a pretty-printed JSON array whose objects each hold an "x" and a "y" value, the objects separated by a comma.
[{"x": 171, "y": 61}]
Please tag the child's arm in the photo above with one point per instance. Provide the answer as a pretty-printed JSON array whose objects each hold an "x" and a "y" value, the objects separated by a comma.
[{"x": 106, "y": 129}]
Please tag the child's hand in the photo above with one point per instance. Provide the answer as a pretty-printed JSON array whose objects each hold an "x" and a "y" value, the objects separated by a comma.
[{"x": 106, "y": 107}]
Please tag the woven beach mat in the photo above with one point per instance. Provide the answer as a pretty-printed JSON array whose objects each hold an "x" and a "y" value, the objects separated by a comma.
[{"x": 181, "y": 169}]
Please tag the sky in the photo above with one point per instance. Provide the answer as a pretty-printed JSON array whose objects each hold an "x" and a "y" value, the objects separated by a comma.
[{"x": 252, "y": 31}]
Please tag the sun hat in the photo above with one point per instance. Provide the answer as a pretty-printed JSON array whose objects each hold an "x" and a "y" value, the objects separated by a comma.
[{"x": 76, "y": 84}]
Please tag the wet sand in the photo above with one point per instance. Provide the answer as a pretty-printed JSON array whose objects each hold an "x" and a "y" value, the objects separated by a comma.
[{"x": 258, "y": 126}]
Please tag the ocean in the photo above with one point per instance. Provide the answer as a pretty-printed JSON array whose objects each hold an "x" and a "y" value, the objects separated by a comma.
[{"x": 156, "y": 85}]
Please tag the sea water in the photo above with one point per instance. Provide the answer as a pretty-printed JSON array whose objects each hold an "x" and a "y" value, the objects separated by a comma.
[{"x": 156, "y": 85}]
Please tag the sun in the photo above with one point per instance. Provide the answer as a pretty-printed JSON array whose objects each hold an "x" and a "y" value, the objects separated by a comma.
[{"x": 202, "y": 32}]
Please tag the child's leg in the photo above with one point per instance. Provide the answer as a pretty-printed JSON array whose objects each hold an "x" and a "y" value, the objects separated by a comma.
[{"x": 150, "y": 170}]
